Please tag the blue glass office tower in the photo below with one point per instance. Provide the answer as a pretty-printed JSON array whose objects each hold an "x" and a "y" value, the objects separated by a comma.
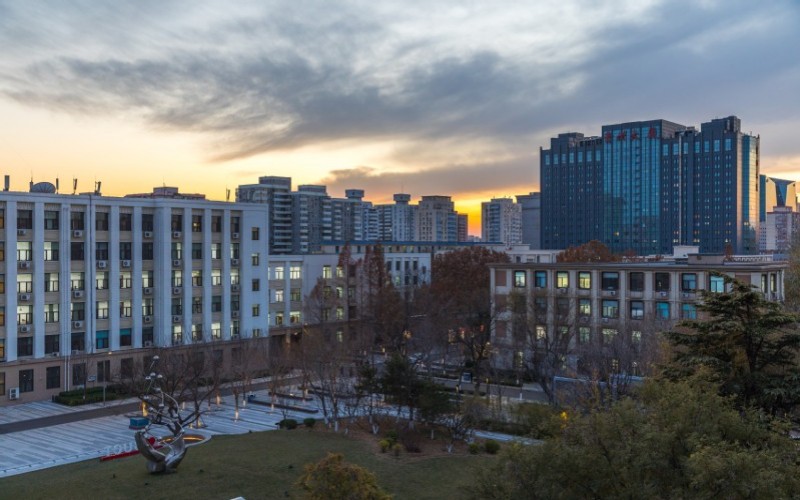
[{"x": 648, "y": 186}]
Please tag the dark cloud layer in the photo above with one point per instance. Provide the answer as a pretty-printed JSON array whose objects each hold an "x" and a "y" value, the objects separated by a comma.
[{"x": 333, "y": 78}]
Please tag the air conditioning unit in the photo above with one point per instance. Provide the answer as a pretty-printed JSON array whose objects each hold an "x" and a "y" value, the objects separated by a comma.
[
  {"x": 234, "y": 288},
  {"x": 77, "y": 294},
  {"x": 234, "y": 336},
  {"x": 22, "y": 232},
  {"x": 234, "y": 314},
  {"x": 24, "y": 297},
  {"x": 688, "y": 295},
  {"x": 176, "y": 234},
  {"x": 605, "y": 320},
  {"x": 76, "y": 352},
  {"x": 663, "y": 294},
  {"x": 176, "y": 290},
  {"x": 612, "y": 292},
  {"x": 148, "y": 234},
  {"x": 147, "y": 291},
  {"x": 77, "y": 324},
  {"x": 234, "y": 262},
  {"x": 77, "y": 233},
  {"x": 176, "y": 319},
  {"x": 24, "y": 264},
  {"x": 24, "y": 328},
  {"x": 148, "y": 319},
  {"x": 562, "y": 290},
  {"x": 148, "y": 343},
  {"x": 235, "y": 236},
  {"x": 13, "y": 393},
  {"x": 126, "y": 263},
  {"x": 101, "y": 264},
  {"x": 176, "y": 263},
  {"x": 54, "y": 354},
  {"x": 584, "y": 319}
]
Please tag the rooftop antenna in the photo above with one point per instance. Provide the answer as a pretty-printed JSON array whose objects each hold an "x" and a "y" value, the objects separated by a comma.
[
  {"x": 31, "y": 184},
  {"x": 227, "y": 194},
  {"x": 97, "y": 185},
  {"x": 74, "y": 185},
  {"x": 56, "y": 184},
  {"x": 7, "y": 184}
]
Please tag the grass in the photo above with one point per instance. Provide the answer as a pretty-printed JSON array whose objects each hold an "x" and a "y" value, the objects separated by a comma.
[{"x": 257, "y": 465}]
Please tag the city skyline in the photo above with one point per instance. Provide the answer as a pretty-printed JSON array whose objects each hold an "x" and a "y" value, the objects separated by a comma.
[{"x": 385, "y": 98}]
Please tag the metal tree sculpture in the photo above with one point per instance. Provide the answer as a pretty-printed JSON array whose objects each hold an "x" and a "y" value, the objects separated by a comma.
[{"x": 163, "y": 453}]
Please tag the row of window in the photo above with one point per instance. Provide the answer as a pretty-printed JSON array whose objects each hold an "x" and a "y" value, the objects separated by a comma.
[
  {"x": 78, "y": 251},
  {"x": 610, "y": 308},
  {"x": 77, "y": 221},
  {"x": 610, "y": 280}
]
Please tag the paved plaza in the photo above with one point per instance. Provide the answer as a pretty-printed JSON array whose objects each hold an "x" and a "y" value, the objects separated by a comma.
[{"x": 39, "y": 448}]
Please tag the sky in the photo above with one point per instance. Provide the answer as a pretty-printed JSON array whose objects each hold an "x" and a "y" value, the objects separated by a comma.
[{"x": 427, "y": 98}]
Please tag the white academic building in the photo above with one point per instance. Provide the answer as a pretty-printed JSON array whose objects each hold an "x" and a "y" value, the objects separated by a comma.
[{"x": 98, "y": 278}]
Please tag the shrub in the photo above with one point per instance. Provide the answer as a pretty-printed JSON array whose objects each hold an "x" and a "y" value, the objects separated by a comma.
[
  {"x": 392, "y": 436},
  {"x": 396, "y": 449},
  {"x": 474, "y": 448},
  {"x": 491, "y": 446},
  {"x": 288, "y": 423},
  {"x": 385, "y": 445},
  {"x": 309, "y": 422}
]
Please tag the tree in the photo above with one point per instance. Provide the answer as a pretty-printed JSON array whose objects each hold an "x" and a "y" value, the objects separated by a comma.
[
  {"x": 791, "y": 282},
  {"x": 674, "y": 440},
  {"x": 460, "y": 305},
  {"x": 749, "y": 343},
  {"x": 333, "y": 478},
  {"x": 593, "y": 251}
]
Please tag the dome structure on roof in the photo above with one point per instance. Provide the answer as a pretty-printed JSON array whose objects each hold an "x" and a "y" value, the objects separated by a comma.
[{"x": 43, "y": 187}]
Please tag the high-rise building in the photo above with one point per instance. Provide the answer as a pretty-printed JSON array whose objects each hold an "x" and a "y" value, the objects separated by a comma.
[
  {"x": 463, "y": 227},
  {"x": 651, "y": 185},
  {"x": 437, "y": 219},
  {"x": 312, "y": 218},
  {"x": 501, "y": 221},
  {"x": 531, "y": 219},
  {"x": 275, "y": 192},
  {"x": 775, "y": 192},
  {"x": 398, "y": 222}
]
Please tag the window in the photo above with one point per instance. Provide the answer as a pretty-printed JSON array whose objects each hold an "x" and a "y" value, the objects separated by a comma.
[
  {"x": 254, "y": 234},
  {"x": 52, "y": 344},
  {"x": 147, "y": 279},
  {"x": 76, "y": 221},
  {"x": 278, "y": 296},
  {"x": 26, "y": 380},
  {"x": 176, "y": 222},
  {"x": 177, "y": 334},
  {"x": 101, "y": 250},
  {"x": 716, "y": 284},
  {"x": 278, "y": 273},
  {"x": 562, "y": 279},
  {"x": 216, "y": 223},
  {"x": 540, "y": 279},
  {"x": 177, "y": 250},
  {"x": 637, "y": 309},
  {"x": 101, "y": 339},
  {"x": 24, "y": 346},
  {"x": 197, "y": 277},
  {"x": 584, "y": 280},
  {"x": 125, "y": 250},
  {"x": 279, "y": 318},
  {"x": 51, "y": 220},
  {"x": 25, "y": 219},
  {"x": 610, "y": 281},
  {"x": 662, "y": 282},
  {"x": 177, "y": 278},
  {"x": 147, "y": 222},
  {"x": 148, "y": 336},
  {"x": 76, "y": 281},
  {"x": 24, "y": 250},
  {"x": 688, "y": 282},
  {"x": 584, "y": 334},
  {"x": 197, "y": 251},
  {"x": 585, "y": 307},
  {"x": 147, "y": 307},
  {"x": 197, "y": 333},
  {"x": 24, "y": 283},
  {"x": 256, "y": 310},
  {"x": 2, "y": 358},
  {"x": 101, "y": 221},
  {"x": 326, "y": 272},
  {"x": 177, "y": 306},
  {"x": 216, "y": 334},
  {"x": 234, "y": 276},
  {"x": 520, "y": 279},
  {"x": 102, "y": 310},
  {"x": 541, "y": 332},
  {"x": 662, "y": 310},
  {"x": 610, "y": 308},
  {"x": 24, "y": 315},
  {"x": 77, "y": 311},
  {"x": 197, "y": 223},
  {"x": 255, "y": 285},
  {"x": 339, "y": 272},
  {"x": 197, "y": 305},
  {"x": 636, "y": 282},
  {"x": 294, "y": 273},
  {"x": 234, "y": 250},
  {"x": 688, "y": 311},
  {"x": 79, "y": 374},
  {"x": 51, "y": 251},
  {"x": 77, "y": 341},
  {"x": 216, "y": 277},
  {"x": 76, "y": 251},
  {"x": 125, "y": 222},
  {"x": 609, "y": 334},
  {"x": 216, "y": 303},
  {"x": 255, "y": 259},
  {"x": 53, "y": 377},
  {"x": 235, "y": 224},
  {"x": 294, "y": 317},
  {"x": 773, "y": 283},
  {"x": 295, "y": 295},
  {"x": 51, "y": 313},
  {"x": 216, "y": 251},
  {"x": 125, "y": 279},
  {"x": 147, "y": 250}
]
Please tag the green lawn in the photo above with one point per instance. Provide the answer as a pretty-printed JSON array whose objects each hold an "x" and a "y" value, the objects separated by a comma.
[{"x": 258, "y": 465}]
